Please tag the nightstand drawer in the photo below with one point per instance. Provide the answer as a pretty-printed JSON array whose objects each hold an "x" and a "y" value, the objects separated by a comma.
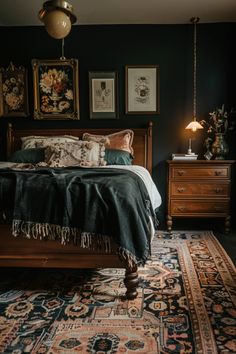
[
  {"x": 199, "y": 172},
  {"x": 199, "y": 207},
  {"x": 203, "y": 189}
]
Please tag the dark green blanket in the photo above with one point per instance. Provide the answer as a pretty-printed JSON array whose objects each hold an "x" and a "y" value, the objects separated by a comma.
[{"x": 86, "y": 206}]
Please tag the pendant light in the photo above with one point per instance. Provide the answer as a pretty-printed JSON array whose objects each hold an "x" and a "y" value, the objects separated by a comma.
[
  {"x": 57, "y": 16},
  {"x": 194, "y": 125}
]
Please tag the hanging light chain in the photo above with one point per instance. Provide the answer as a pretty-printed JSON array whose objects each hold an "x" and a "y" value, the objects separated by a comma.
[
  {"x": 194, "y": 20},
  {"x": 62, "y": 49}
]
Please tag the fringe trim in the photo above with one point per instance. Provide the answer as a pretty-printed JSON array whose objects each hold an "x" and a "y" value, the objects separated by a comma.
[
  {"x": 92, "y": 241},
  {"x": 65, "y": 234},
  {"x": 127, "y": 258}
]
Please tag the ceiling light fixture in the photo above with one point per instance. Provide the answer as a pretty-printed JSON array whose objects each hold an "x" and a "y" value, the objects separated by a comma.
[
  {"x": 194, "y": 125},
  {"x": 57, "y": 15}
]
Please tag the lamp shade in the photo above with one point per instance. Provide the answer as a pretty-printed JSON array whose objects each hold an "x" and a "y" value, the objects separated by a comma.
[
  {"x": 57, "y": 24},
  {"x": 194, "y": 126}
]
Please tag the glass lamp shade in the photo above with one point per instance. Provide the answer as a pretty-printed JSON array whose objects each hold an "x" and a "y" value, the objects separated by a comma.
[
  {"x": 194, "y": 126},
  {"x": 57, "y": 24}
]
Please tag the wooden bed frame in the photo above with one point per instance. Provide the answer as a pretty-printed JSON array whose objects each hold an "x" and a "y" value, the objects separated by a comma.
[{"x": 19, "y": 252}]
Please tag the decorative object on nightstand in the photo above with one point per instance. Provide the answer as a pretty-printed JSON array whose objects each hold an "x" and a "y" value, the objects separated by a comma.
[
  {"x": 185, "y": 157},
  {"x": 194, "y": 125},
  {"x": 199, "y": 189},
  {"x": 218, "y": 125}
]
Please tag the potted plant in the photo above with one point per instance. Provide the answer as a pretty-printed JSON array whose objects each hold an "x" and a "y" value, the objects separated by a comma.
[{"x": 218, "y": 125}]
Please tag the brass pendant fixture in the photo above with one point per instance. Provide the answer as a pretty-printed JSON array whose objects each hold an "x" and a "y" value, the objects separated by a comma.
[{"x": 58, "y": 16}]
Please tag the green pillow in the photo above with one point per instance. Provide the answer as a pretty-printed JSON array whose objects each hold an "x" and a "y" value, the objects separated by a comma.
[
  {"x": 118, "y": 157},
  {"x": 33, "y": 155}
]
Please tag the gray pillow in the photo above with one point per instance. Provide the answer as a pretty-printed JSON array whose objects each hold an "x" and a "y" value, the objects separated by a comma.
[
  {"x": 118, "y": 157},
  {"x": 34, "y": 155}
]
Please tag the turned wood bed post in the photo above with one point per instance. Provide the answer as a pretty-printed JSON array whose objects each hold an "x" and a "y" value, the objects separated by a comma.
[{"x": 131, "y": 282}]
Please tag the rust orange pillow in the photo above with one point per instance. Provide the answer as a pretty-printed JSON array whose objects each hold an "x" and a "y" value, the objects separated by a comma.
[{"x": 121, "y": 140}]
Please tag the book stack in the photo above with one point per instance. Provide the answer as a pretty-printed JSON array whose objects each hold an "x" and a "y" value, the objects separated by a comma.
[{"x": 184, "y": 157}]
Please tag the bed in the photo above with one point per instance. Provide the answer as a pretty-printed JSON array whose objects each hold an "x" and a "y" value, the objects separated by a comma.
[{"x": 36, "y": 253}]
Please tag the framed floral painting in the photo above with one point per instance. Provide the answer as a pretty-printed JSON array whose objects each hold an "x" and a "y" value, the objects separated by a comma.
[
  {"x": 142, "y": 89},
  {"x": 13, "y": 91},
  {"x": 103, "y": 95},
  {"x": 56, "y": 89}
]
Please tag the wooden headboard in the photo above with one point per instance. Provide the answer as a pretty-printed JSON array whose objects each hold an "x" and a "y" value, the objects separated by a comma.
[{"x": 142, "y": 143}]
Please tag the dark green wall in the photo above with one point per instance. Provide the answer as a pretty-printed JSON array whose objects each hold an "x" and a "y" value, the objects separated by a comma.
[{"x": 111, "y": 48}]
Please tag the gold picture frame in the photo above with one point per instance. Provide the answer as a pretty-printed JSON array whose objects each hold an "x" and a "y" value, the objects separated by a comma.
[
  {"x": 56, "y": 89},
  {"x": 14, "y": 91}
]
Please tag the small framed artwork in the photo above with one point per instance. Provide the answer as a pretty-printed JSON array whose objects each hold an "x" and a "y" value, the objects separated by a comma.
[
  {"x": 14, "y": 91},
  {"x": 56, "y": 89},
  {"x": 103, "y": 95},
  {"x": 142, "y": 89}
]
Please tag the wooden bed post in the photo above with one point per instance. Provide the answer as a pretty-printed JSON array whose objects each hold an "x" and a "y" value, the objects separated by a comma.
[
  {"x": 149, "y": 147},
  {"x": 10, "y": 141},
  {"x": 131, "y": 282}
]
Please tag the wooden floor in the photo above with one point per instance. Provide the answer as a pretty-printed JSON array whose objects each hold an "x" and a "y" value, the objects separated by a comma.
[{"x": 229, "y": 243}]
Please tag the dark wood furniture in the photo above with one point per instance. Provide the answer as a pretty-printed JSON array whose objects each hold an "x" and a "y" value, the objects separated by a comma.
[
  {"x": 19, "y": 252},
  {"x": 199, "y": 188}
]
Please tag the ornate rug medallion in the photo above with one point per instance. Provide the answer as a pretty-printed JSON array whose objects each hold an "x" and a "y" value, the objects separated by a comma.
[{"x": 186, "y": 304}]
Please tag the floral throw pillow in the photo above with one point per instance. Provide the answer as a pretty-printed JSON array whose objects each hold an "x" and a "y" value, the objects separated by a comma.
[
  {"x": 81, "y": 153},
  {"x": 33, "y": 141},
  {"x": 121, "y": 140}
]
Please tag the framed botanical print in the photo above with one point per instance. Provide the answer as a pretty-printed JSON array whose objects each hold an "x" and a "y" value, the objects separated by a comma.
[
  {"x": 56, "y": 89},
  {"x": 13, "y": 91},
  {"x": 103, "y": 95},
  {"x": 142, "y": 89}
]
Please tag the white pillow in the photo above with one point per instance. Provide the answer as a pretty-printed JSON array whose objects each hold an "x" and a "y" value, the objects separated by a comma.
[
  {"x": 29, "y": 142},
  {"x": 80, "y": 153}
]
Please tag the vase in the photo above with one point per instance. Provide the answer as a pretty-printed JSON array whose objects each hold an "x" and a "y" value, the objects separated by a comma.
[
  {"x": 55, "y": 98},
  {"x": 219, "y": 147}
]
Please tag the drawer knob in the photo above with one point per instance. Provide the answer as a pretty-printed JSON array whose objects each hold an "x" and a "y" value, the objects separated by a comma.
[
  {"x": 218, "y": 208},
  {"x": 218, "y": 190},
  {"x": 44, "y": 261},
  {"x": 218, "y": 173},
  {"x": 180, "y": 189},
  {"x": 181, "y": 172},
  {"x": 181, "y": 208}
]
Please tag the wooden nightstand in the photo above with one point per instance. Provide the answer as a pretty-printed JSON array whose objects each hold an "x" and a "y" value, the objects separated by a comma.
[{"x": 199, "y": 188}]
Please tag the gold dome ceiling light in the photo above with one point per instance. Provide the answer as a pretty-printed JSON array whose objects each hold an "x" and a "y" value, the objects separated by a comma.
[{"x": 57, "y": 16}]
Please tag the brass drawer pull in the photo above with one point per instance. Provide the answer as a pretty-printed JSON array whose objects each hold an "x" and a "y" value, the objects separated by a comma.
[
  {"x": 218, "y": 208},
  {"x": 181, "y": 208},
  {"x": 218, "y": 173},
  {"x": 45, "y": 261},
  {"x": 181, "y": 172},
  {"x": 181, "y": 189},
  {"x": 218, "y": 190}
]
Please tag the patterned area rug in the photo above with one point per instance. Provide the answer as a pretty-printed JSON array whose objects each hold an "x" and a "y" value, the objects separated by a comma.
[{"x": 186, "y": 304}]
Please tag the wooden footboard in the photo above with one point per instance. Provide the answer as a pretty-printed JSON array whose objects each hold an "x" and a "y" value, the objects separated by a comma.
[{"x": 20, "y": 252}]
